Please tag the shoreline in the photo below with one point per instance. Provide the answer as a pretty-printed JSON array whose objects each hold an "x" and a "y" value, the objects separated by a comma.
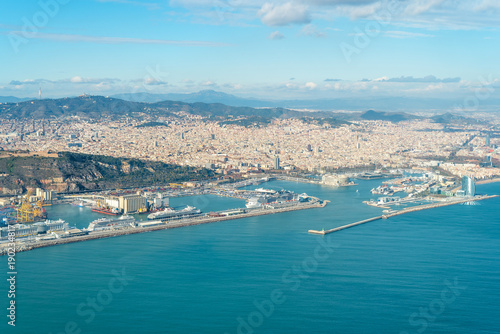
[
  {"x": 480, "y": 182},
  {"x": 401, "y": 212},
  {"x": 488, "y": 181},
  {"x": 24, "y": 247}
]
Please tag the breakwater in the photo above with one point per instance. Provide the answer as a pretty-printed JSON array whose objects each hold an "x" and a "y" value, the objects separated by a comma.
[
  {"x": 403, "y": 211},
  {"x": 26, "y": 246}
]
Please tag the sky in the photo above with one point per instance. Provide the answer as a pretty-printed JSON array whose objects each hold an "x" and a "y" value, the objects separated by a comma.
[{"x": 273, "y": 49}]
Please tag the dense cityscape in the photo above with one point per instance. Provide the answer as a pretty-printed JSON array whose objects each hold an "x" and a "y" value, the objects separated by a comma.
[{"x": 193, "y": 141}]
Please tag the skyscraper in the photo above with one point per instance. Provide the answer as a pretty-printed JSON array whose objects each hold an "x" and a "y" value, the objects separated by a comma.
[
  {"x": 276, "y": 162},
  {"x": 487, "y": 140},
  {"x": 468, "y": 186}
]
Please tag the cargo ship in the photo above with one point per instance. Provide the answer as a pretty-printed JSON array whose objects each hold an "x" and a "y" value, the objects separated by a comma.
[
  {"x": 170, "y": 213},
  {"x": 106, "y": 211}
]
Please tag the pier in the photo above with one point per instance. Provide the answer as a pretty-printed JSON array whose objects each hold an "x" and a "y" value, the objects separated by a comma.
[
  {"x": 403, "y": 211},
  {"x": 26, "y": 246}
]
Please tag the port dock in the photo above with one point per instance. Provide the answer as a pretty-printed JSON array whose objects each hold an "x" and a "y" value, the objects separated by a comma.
[
  {"x": 404, "y": 211},
  {"x": 26, "y": 246}
]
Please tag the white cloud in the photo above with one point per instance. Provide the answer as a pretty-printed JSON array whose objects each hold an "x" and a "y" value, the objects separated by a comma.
[
  {"x": 421, "y": 6},
  {"x": 487, "y": 5},
  {"x": 311, "y": 85},
  {"x": 312, "y": 30},
  {"x": 209, "y": 83},
  {"x": 276, "y": 35},
  {"x": 153, "y": 81},
  {"x": 113, "y": 40},
  {"x": 405, "y": 34},
  {"x": 361, "y": 11},
  {"x": 426, "y": 14},
  {"x": 76, "y": 79},
  {"x": 284, "y": 14}
]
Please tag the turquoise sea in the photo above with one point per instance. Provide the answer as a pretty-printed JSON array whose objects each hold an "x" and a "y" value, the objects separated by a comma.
[{"x": 434, "y": 271}]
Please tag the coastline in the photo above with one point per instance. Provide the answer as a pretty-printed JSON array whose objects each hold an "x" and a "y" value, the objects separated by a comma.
[
  {"x": 480, "y": 182},
  {"x": 23, "y": 247},
  {"x": 401, "y": 212},
  {"x": 488, "y": 181}
]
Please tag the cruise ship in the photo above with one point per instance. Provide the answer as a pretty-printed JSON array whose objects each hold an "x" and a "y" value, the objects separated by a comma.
[
  {"x": 282, "y": 196},
  {"x": 107, "y": 223},
  {"x": 170, "y": 213},
  {"x": 266, "y": 191}
]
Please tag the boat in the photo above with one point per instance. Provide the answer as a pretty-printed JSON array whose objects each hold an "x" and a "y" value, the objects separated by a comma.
[
  {"x": 265, "y": 191},
  {"x": 142, "y": 210},
  {"x": 108, "y": 223},
  {"x": 255, "y": 202},
  {"x": 279, "y": 197},
  {"x": 170, "y": 213},
  {"x": 107, "y": 211}
]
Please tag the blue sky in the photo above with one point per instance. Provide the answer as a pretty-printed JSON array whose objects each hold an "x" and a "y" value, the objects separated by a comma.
[{"x": 267, "y": 49}]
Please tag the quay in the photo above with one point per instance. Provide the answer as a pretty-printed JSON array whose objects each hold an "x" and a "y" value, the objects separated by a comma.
[
  {"x": 404, "y": 211},
  {"x": 25, "y": 246}
]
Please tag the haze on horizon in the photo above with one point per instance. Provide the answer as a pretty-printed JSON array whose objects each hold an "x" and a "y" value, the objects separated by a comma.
[{"x": 269, "y": 49}]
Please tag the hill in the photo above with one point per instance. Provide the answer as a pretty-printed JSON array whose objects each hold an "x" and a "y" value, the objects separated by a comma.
[
  {"x": 12, "y": 99},
  {"x": 82, "y": 106},
  {"x": 96, "y": 107},
  {"x": 71, "y": 172},
  {"x": 372, "y": 115},
  {"x": 204, "y": 96}
]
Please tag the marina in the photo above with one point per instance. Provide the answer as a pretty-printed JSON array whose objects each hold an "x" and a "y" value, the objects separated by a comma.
[{"x": 404, "y": 211}]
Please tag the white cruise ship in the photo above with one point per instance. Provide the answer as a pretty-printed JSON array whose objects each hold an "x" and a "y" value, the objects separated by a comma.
[
  {"x": 282, "y": 196},
  {"x": 170, "y": 213},
  {"x": 107, "y": 223},
  {"x": 255, "y": 202}
]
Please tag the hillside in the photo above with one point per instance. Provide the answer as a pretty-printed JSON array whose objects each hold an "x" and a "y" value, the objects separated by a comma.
[
  {"x": 96, "y": 107},
  {"x": 372, "y": 115},
  {"x": 82, "y": 106},
  {"x": 204, "y": 96},
  {"x": 76, "y": 172}
]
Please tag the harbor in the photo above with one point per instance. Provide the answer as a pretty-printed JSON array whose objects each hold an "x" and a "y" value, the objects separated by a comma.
[
  {"x": 127, "y": 207},
  {"x": 226, "y": 215},
  {"x": 404, "y": 211}
]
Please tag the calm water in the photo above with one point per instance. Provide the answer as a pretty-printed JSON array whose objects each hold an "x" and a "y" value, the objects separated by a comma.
[{"x": 390, "y": 276}]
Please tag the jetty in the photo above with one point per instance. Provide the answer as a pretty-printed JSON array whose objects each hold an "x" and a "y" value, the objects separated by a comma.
[
  {"x": 404, "y": 211},
  {"x": 21, "y": 246}
]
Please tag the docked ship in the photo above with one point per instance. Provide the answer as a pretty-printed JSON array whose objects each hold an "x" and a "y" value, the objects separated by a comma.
[
  {"x": 107, "y": 223},
  {"x": 266, "y": 191},
  {"x": 170, "y": 213},
  {"x": 277, "y": 197},
  {"x": 103, "y": 208},
  {"x": 106, "y": 211}
]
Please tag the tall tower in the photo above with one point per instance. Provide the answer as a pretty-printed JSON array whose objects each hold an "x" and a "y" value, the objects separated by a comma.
[
  {"x": 468, "y": 186},
  {"x": 276, "y": 162},
  {"x": 40, "y": 93}
]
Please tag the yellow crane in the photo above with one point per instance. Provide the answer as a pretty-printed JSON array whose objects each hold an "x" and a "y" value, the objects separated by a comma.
[
  {"x": 27, "y": 212},
  {"x": 38, "y": 209}
]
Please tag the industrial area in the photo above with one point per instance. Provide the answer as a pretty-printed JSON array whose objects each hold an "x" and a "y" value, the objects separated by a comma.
[{"x": 47, "y": 233}]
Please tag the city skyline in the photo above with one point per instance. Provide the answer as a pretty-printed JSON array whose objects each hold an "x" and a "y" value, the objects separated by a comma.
[{"x": 273, "y": 49}]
